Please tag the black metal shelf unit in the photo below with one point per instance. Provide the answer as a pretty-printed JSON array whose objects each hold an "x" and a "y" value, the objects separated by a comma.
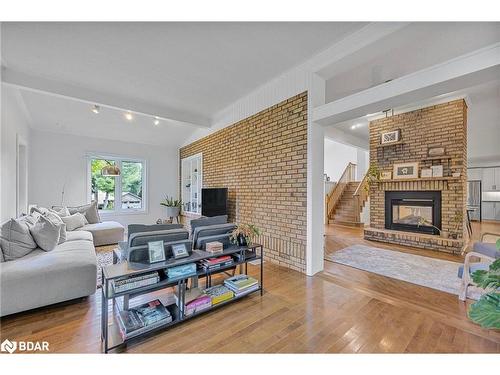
[{"x": 110, "y": 333}]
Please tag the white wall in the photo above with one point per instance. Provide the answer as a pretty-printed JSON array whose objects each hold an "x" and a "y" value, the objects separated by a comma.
[
  {"x": 60, "y": 159},
  {"x": 483, "y": 129},
  {"x": 338, "y": 155},
  {"x": 14, "y": 125}
]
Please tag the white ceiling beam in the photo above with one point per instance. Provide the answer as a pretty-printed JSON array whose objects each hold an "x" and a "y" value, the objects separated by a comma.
[
  {"x": 465, "y": 71},
  {"x": 50, "y": 87},
  {"x": 351, "y": 43}
]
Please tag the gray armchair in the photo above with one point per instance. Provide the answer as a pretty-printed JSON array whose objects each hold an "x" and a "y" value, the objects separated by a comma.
[
  {"x": 487, "y": 253},
  {"x": 136, "y": 247},
  {"x": 210, "y": 229}
]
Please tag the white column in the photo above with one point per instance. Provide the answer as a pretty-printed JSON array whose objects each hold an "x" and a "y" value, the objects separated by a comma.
[
  {"x": 361, "y": 164},
  {"x": 315, "y": 184}
]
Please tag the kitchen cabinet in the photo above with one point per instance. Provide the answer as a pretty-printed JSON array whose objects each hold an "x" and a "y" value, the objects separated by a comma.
[
  {"x": 497, "y": 211},
  {"x": 488, "y": 210},
  {"x": 491, "y": 179}
]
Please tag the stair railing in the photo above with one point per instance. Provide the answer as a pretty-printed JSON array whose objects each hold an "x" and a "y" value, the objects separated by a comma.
[
  {"x": 360, "y": 196},
  {"x": 349, "y": 175}
]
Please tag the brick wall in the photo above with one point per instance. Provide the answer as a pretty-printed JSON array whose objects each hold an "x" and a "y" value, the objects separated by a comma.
[
  {"x": 440, "y": 125},
  {"x": 262, "y": 160}
]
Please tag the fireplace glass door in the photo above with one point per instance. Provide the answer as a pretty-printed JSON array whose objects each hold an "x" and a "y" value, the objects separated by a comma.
[
  {"x": 413, "y": 211},
  {"x": 412, "y": 214}
]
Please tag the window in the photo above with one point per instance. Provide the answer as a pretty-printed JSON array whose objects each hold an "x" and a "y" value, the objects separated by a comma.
[{"x": 123, "y": 193}]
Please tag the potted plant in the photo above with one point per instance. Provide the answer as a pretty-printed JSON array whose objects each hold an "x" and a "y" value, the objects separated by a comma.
[
  {"x": 244, "y": 234},
  {"x": 373, "y": 176},
  {"x": 173, "y": 206},
  {"x": 486, "y": 311}
]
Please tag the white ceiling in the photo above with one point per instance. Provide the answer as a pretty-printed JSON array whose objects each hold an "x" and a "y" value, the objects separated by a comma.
[
  {"x": 61, "y": 115},
  {"x": 410, "y": 49},
  {"x": 198, "y": 68}
]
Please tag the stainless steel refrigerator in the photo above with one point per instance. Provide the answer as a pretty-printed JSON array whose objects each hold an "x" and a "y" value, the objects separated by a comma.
[{"x": 474, "y": 199}]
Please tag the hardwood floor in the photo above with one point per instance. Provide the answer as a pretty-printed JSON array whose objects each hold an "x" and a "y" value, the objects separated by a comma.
[{"x": 342, "y": 310}]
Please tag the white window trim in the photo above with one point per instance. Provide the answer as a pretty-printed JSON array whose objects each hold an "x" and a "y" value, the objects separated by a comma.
[{"x": 118, "y": 186}]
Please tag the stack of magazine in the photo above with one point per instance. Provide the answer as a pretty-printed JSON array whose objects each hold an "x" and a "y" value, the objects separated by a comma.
[
  {"x": 241, "y": 284},
  {"x": 138, "y": 320},
  {"x": 212, "y": 264},
  {"x": 129, "y": 283}
]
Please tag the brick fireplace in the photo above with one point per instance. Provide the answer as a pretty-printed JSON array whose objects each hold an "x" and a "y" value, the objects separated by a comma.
[{"x": 425, "y": 212}]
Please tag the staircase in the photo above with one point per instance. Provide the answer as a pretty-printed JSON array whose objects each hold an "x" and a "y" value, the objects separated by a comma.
[
  {"x": 343, "y": 212},
  {"x": 346, "y": 201}
]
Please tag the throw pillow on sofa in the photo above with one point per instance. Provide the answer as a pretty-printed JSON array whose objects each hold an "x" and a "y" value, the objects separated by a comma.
[
  {"x": 88, "y": 210},
  {"x": 46, "y": 233},
  {"x": 16, "y": 239},
  {"x": 54, "y": 217},
  {"x": 62, "y": 212},
  {"x": 74, "y": 221}
]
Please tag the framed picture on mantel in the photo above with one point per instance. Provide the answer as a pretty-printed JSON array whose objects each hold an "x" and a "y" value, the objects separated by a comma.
[{"x": 405, "y": 170}]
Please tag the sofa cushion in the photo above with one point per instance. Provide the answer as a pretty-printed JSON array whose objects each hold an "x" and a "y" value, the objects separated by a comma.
[
  {"x": 16, "y": 239},
  {"x": 89, "y": 210},
  {"x": 74, "y": 221},
  {"x": 106, "y": 232},
  {"x": 206, "y": 221},
  {"x": 46, "y": 233},
  {"x": 43, "y": 278},
  {"x": 79, "y": 235},
  {"x": 487, "y": 248}
]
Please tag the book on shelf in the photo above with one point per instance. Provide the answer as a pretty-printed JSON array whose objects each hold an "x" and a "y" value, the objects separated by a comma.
[
  {"x": 212, "y": 267},
  {"x": 197, "y": 305},
  {"x": 142, "y": 318},
  {"x": 127, "y": 280},
  {"x": 242, "y": 292},
  {"x": 120, "y": 286},
  {"x": 219, "y": 293},
  {"x": 241, "y": 283},
  {"x": 184, "y": 270},
  {"x": 214, "y": 247}
]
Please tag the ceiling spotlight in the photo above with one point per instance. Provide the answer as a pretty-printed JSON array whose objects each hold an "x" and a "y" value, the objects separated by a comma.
[
  {"x": 96, "y": 109},
  {"x": 129, "y": 116},
  {"x": 156, "y": 121}
]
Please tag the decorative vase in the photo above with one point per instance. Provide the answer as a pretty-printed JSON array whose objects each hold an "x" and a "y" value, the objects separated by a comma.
[
  {"x": 173, "y": 211},
  {"x": 242, "y": 240},
  {"x": 445, "y": 234}
]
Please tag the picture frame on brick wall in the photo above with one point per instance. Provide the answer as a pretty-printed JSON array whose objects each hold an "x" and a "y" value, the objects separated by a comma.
[
  {"x": 405, "y": 170},
  {"x": 385, "y": 175},
  {"x": 390, "y": 137}
]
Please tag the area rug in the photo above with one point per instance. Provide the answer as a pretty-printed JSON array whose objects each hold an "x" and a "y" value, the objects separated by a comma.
[
  {"x": 104, "y": 256},
  {"x": 416, "y": 269}
]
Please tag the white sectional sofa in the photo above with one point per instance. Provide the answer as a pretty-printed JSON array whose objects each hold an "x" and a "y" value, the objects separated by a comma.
[{"x": 42, "y": 278}]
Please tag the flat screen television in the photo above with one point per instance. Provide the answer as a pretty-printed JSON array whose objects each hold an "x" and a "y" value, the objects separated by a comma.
[{"x": 213, "y": 201}]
